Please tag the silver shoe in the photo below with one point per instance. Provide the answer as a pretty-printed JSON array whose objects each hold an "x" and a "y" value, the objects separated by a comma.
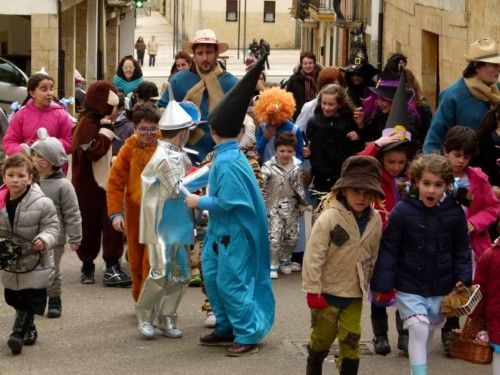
[
  {"x": 147, "y": 330},
  {"x": 171, "y": 330}
]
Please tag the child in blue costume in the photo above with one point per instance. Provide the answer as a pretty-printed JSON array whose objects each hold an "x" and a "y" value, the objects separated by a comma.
[{"x": 235, "y": 257}]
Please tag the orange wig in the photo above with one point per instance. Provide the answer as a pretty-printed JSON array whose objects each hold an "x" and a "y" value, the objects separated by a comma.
[{"x": 275, "y": 106}]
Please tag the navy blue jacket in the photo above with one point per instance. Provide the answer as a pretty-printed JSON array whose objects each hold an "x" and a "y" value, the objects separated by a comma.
[{"x": 424, "y": 251}]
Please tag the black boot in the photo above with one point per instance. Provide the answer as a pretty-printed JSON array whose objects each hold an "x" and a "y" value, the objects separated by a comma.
[
  {"x": 22, "y": 323},
  {"x": 349, "y": 366},
  {"x": 402, "y": 335},
  {"x": 315, "y": 361},
  {"x": 54, "y": 307},
  {"x": 31, "y": 335},
  {"x": 380, "y": 342}
]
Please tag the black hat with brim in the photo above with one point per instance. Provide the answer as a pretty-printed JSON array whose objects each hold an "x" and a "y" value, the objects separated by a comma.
[{"x": 366, "y": 70}]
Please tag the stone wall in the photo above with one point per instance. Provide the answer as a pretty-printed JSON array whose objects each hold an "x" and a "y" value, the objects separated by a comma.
[
  {"x": 44, "y": 44},
  {"x": 437, "y": 33}
]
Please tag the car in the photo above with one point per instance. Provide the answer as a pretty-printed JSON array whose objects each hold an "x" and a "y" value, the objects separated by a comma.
[{"x": 13, "y": 83}]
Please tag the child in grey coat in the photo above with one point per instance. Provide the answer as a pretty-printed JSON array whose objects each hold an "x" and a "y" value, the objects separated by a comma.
[{"x": 48, "y": 157}]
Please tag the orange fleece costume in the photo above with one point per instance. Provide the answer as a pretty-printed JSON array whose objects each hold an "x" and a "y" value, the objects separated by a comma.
[{"x": 124, "y": 191}]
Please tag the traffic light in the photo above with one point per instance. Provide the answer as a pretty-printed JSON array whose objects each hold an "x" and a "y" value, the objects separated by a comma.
[{"x": 139, "y": 4}]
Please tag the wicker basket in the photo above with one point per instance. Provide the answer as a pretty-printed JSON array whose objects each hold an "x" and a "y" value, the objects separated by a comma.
[
  {"x": 475, "y": 296},
  {"x": 464, "y": 345}
]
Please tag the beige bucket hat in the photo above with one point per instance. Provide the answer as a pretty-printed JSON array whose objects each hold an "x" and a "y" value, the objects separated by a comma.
[
  {"x": 485, "y": 50},
  {"x": 205, "y": 36}
]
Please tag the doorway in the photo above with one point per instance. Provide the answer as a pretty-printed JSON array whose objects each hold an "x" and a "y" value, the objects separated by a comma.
[{"x": 430, "y": 68}]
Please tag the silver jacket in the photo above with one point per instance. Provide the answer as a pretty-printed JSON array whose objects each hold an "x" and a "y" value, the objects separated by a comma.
[
  {"x": 274, "y": 177},
  {"x": 35, "y": 218}
]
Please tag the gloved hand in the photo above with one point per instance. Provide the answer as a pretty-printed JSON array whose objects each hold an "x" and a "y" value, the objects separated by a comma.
[
  {"x": 316, "y": 301},
  {"x": 383, "y": 298}
]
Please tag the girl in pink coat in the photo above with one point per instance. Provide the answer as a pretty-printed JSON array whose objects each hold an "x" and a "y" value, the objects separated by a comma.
[
  {"x": 39, "y": 110},
  {"x": 460, "y": 145}
]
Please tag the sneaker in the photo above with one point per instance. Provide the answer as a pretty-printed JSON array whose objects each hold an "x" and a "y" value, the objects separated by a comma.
[
  {"x": 54, "y": 307},
  {"x": 285, "y": 268},
  {"x": 211, "y": 339},
  {"x": 114, "y": 276},
  {"x": 147, "y": 330},
  {"x": 195, "y": 280},
  {"x": 241, "y": 350},
  {"x": 87, "y": 276},
  {"x": 171, "y": 333},
  {"x": 296, "y": 267},
  {"x": 210, "y": 320},
  {"x": 274, "y": 274}
]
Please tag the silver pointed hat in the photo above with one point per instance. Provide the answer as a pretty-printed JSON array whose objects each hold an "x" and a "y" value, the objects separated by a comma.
[{"x": 178, "y": 115}]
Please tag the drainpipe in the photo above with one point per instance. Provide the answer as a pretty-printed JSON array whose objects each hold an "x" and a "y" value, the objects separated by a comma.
[
  {"x": 60, "y": 54},
  {"x": 380, "y": 36}
]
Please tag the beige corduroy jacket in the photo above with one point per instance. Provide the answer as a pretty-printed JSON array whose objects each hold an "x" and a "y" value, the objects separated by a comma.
[{"x": 345, "y": 270}]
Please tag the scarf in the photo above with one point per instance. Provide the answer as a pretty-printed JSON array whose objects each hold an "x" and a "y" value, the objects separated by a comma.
[
  {"x": 126, "y": 86},
  {"x": 210, "y": 82},
  {"x": 311, "y": 89},
  {"x": 207, "y": 82},
  {"x": 482, "y": 91}
]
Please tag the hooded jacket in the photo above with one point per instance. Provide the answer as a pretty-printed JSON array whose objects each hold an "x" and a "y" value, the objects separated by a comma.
[
  {"x": 35, "y": 218},
  {"x": 424, "y": 251},
  {"x": 483, "y": 210},
  {"x": 25, "y": 123}
]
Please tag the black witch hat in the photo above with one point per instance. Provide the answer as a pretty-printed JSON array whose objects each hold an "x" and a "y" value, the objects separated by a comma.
[
  {"x": 226, "y": 119},
  {"x": 398, "y": 119}
]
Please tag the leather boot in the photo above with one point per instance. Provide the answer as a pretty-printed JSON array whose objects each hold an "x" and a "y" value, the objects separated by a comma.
[
  {"x": 22, "y": 323},
  {"x": 54, "y": 307},
  {"x": 315, "y": 361},
  {"x": 380, "y": 341},
  {"x": 349, "y": 366},
  {"x": 402, "y": 335}
]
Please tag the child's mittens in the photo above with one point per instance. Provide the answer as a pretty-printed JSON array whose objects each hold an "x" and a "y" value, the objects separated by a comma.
[
  {"x": 383, "y": 298},
  {"x": 316, "y": 301}
]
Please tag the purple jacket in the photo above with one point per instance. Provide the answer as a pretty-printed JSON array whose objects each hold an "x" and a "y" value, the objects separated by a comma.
[
  {"x": 25, "y": 123},
  {"x": 483, "y": 211}
]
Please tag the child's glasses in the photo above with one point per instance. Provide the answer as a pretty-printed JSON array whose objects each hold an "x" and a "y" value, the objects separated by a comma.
[{"x": 149, "y": 131}]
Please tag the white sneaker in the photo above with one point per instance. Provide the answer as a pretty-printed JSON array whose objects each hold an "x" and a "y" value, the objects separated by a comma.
[
  {"x": 274, "y": 274},
  {"x": 285, "y": 269},
  {"x": 210, "y": 320},
  {"x": 147, "y": 330},
  {"x": 296, "y": 267}
]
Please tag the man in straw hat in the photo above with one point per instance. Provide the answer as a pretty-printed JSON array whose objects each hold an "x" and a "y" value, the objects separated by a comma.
[
  {"x": 205, "y": 83},
  {"x": 236, "y": 258},
  {"x": 467, "y": 100},
  {"x": 166, "y": 224}
]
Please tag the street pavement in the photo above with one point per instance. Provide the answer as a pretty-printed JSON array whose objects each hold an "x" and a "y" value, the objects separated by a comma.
[{"x": 97, "y": 334}]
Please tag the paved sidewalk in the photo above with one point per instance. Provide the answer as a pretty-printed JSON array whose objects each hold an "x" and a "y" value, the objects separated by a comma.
[{"x": 281, "y": 61}]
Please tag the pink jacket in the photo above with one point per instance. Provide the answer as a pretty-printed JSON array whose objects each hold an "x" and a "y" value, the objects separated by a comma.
[
  {"x": 25, "y": 123},
  {"x": 483, "y": 211}
]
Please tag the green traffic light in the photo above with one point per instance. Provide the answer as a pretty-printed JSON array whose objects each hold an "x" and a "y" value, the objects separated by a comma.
[{"x": 138, "y": 4}]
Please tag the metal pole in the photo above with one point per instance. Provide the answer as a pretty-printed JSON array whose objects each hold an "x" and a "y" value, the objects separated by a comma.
[
  {"x": 245, "y": 30},
  {"x": 239, "y": 24}
]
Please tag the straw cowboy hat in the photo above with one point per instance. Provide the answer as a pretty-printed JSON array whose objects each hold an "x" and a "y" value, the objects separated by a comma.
[
  {"x": 205, "y": 36},
  {"x": 485, "y": 50}
]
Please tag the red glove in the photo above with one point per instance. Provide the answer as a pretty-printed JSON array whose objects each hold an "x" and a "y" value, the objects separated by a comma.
[
  {"x": 316, "y": 301},
  {"x": 383, "y": 298}
]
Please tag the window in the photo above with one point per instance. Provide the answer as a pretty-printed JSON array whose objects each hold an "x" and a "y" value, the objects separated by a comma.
[
  {"x": 231, "y": 10},
  {"x": 269, "y": 11}
]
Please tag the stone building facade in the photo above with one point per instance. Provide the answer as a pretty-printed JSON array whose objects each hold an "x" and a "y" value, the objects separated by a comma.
[{"x": 434, "y": 34}]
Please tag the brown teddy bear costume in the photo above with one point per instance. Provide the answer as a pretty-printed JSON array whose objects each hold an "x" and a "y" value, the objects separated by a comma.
[{"x": 91, "y": 166}]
